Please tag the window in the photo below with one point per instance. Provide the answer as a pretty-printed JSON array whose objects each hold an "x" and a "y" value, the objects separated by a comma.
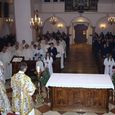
[
  {"x": 55, "y": 0},
  {"x": 46, "y": 0},
  {"x": 61, "y": 0}
]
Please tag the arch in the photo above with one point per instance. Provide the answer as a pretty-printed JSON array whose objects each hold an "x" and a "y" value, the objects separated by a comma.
[
  {"x": 103, "y": 20},
  {"x": 85, "y": 19},
  {"x": 59, "y": 18},
  {"x": 48, "y": 26},
  {"x": 82, "y": 21}
]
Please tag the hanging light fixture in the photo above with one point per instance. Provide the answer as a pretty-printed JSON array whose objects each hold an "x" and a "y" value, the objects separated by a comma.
[
  {"x": 53, "y": 20},
  {"x": 36, "y": 22},
  {"x": 111, "y": 20}
]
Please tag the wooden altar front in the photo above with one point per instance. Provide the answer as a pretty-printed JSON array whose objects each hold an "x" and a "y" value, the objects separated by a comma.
[
  {"x": 79, "y": 99},
  {"x": 66, "y": 96}
]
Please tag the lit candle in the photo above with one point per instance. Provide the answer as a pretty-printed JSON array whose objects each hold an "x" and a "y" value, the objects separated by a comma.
[
  {"x": 38, "y": 69},
  {"x": 35, "y": 18}
]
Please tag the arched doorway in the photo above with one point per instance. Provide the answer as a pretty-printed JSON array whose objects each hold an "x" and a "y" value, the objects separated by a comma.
[
  {"x": 58, "y": 26},
  {"x": 81, "y": 30},
  {"x": 80, "y": 33}
]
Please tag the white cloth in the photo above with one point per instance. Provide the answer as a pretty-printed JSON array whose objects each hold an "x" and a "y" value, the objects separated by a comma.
[{"x": 98, "y": 81}]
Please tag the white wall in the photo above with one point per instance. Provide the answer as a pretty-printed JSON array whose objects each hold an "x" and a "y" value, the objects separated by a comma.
[
  {"x": 53, "y": 7},
  {"x": 105, "y": 7}
]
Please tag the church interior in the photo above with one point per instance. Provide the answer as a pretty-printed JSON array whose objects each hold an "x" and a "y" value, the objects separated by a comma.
[{"x": 82, "y": 34}]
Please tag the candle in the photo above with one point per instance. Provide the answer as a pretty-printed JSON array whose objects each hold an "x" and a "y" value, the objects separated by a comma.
[{"x": 38, "y": 69}]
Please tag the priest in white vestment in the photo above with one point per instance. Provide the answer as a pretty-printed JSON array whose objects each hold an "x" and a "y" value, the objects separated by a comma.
[{"x": 23, "y": 89}]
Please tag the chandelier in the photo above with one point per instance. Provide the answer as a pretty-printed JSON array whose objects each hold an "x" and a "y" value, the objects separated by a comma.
[
  {"x": 111, "y": 20},
  {"x": 53, "y": 20},
  {"x": 36, "y": 22}
]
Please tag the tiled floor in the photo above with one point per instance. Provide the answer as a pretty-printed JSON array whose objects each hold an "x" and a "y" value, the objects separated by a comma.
[{"x": 80, "y": 60}]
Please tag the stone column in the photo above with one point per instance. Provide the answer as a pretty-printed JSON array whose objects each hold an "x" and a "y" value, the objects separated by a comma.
[
  {"x": 22, "y": 19},
  {"x": 93, "y": 29},
  {"x": 67, "y": 29},
  {"x": 67, "y": 39}
]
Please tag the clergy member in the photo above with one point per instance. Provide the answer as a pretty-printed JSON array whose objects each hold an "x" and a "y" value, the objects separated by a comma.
[{"x": 23, "y": 89}]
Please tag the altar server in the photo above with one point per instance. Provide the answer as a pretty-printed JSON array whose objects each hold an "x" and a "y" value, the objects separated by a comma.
[
  {"x": 60, "y": 53},
  {"x": 109, "y": 63},
  {"x": 23, "y": 89},
  {"x": 48, "y": 61},
  {"x": 4, "y": 102}
]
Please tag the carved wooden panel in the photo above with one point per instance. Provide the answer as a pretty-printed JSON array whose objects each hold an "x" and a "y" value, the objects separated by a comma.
[{"x": 79, "y": 99}]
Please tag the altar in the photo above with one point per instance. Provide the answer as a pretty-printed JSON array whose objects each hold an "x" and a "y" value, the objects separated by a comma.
[{"x": 79, "y": 92}]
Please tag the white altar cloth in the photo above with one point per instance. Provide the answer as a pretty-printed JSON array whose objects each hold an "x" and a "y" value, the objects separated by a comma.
[{"x": 98, "y": 81}]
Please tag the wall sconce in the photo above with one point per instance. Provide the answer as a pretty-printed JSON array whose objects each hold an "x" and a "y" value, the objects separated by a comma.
[
  {"x": 60, "y": 25},
  {"x": 103, "y": 26}
]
